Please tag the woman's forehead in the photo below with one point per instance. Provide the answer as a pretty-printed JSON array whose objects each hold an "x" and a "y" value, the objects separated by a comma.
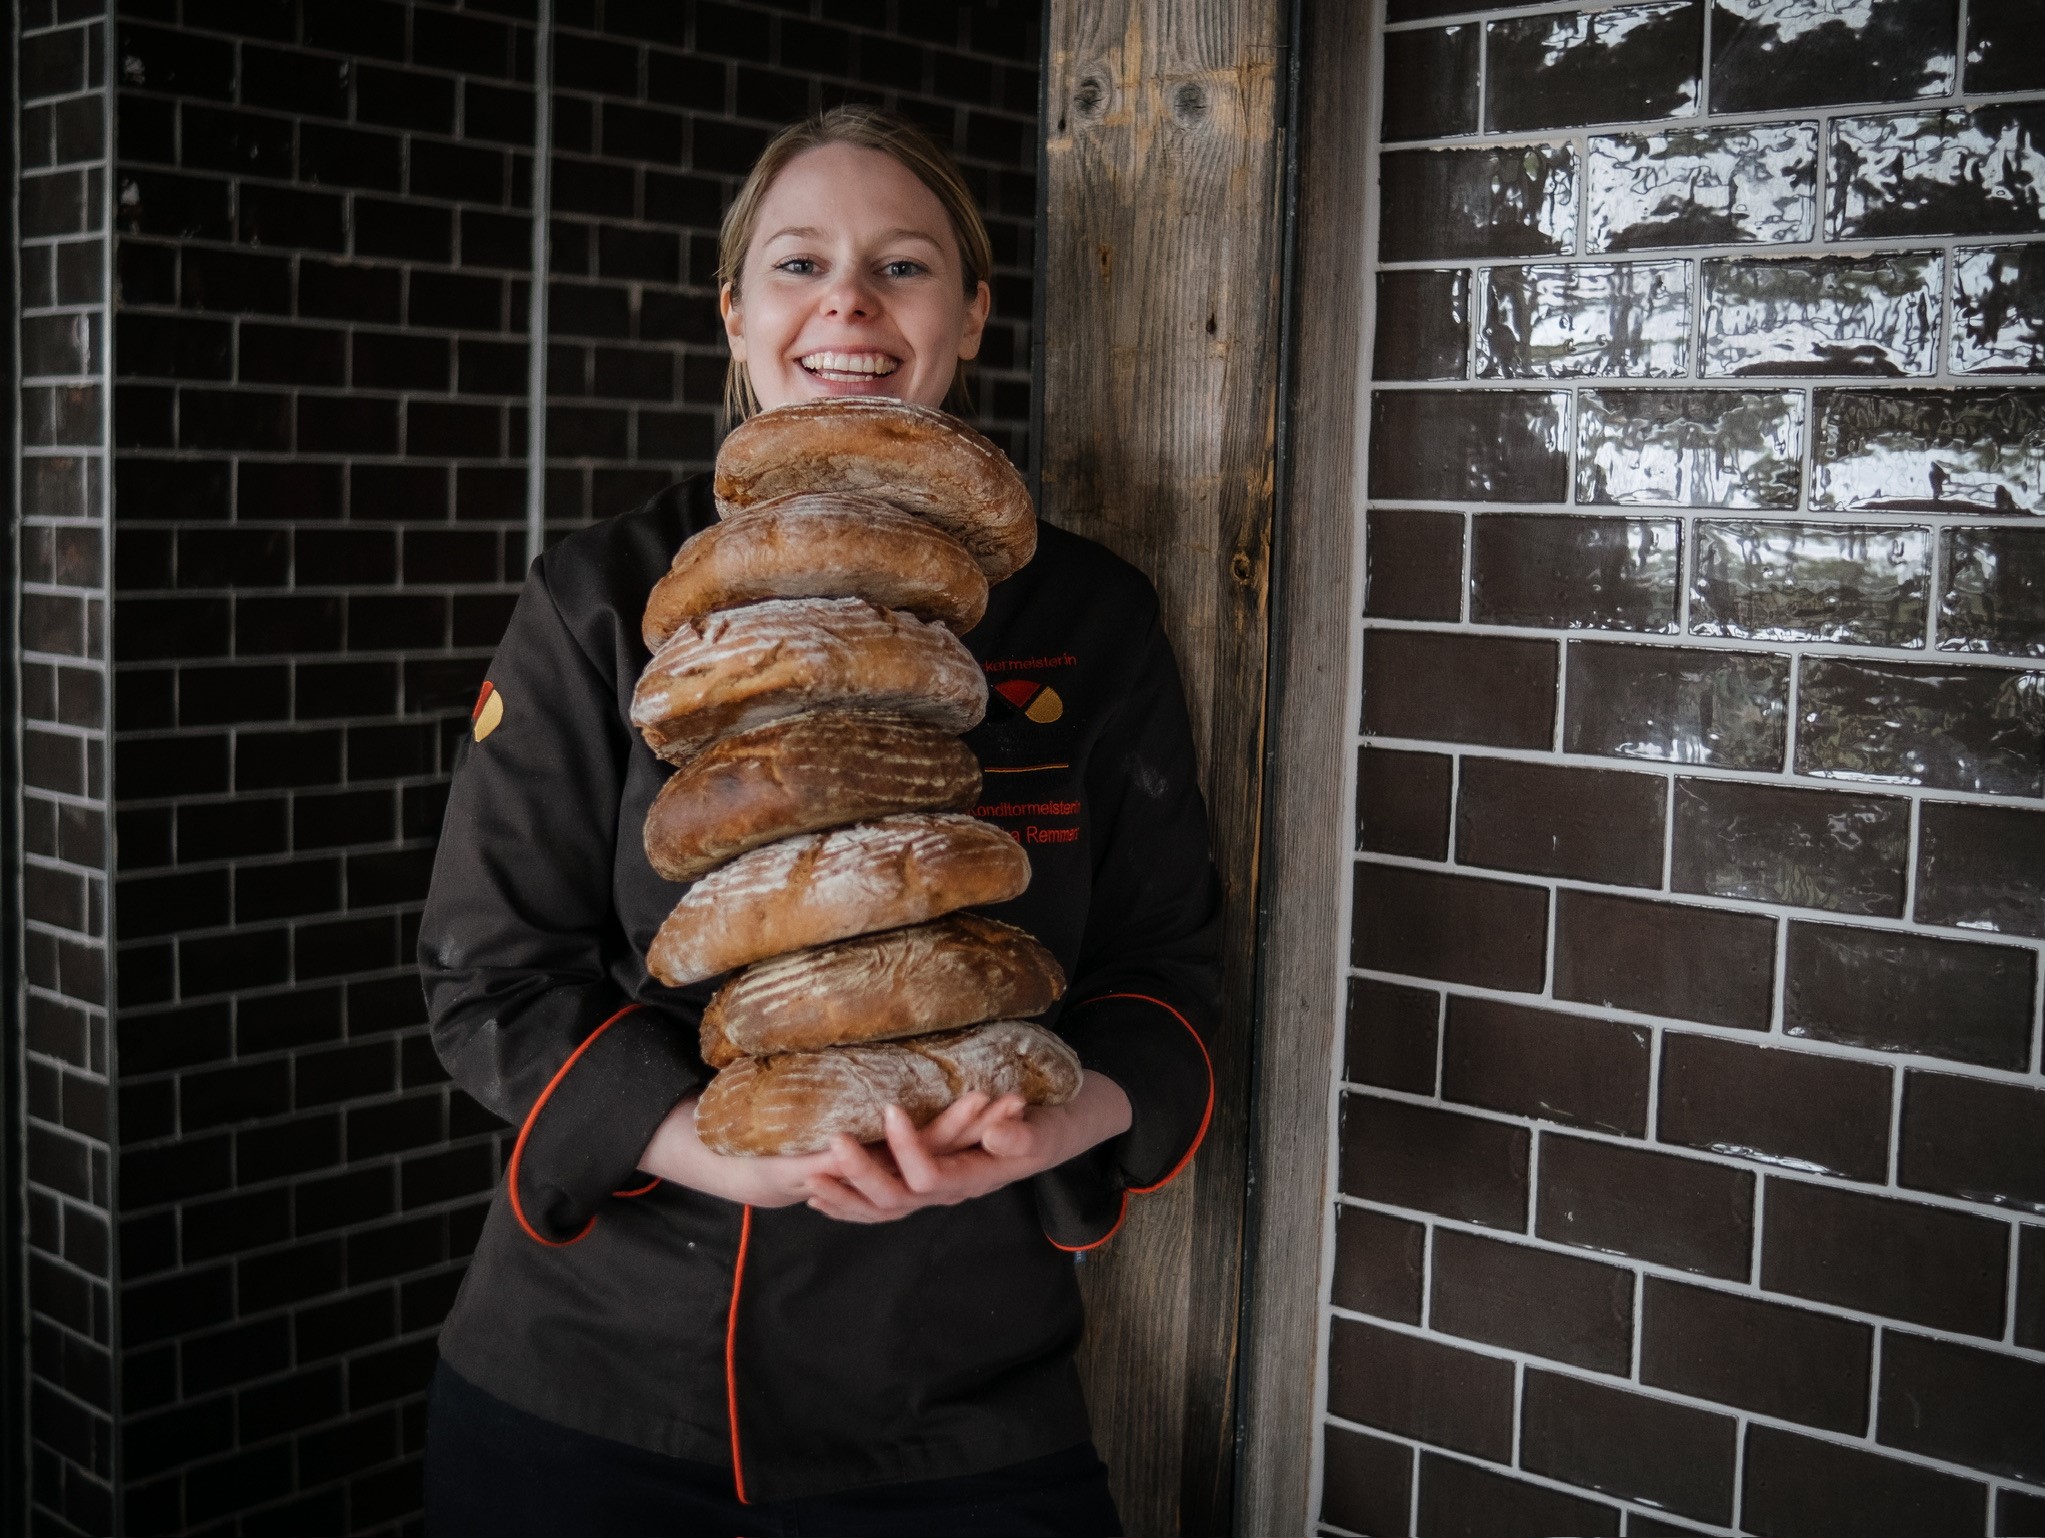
[{"x": 838, "y": 187}]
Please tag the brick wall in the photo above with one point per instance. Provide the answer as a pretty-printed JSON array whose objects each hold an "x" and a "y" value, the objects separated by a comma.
[
  {"x": 1691, "y": 1116},
  {"x": 250, "y": 1208}
]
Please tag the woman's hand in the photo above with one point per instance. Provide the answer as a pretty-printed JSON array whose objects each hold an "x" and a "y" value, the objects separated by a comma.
[{"x": 676, "y": 1153}]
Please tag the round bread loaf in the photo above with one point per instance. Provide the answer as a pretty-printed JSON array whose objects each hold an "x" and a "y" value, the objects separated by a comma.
[
  {"x": 741, "y": 668},
  {"x": 797, "y": 1102},
  {"x": 921, "y": 460},
  {"x": 819, "y": 547},
  {"x": 957, "y": 971},
  {"x": 821, "y": 887},
  {"x": 800, "y": 775}
]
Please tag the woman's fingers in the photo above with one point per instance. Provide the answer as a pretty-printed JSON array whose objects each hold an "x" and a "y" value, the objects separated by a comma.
[
  {"x": 864, "y": 1174},
  {"x": 957, "y": 1126},
  {"x": 918, "y": 1169}
]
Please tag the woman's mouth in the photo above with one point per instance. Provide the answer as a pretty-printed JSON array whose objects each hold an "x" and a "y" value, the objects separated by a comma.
[{"x": 848, "y": 367}]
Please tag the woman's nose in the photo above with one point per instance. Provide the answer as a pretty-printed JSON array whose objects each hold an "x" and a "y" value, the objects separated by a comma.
[{"x": 849, "y": 299}]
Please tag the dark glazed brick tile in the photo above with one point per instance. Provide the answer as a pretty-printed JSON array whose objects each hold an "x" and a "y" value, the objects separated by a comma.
[
  {"x": 2030, "y": 1300},
  {"x": 1689, "y": 448},
  {"x": 1807, "y": 848},
  {"x": 1517, "y": 201},
  {"x": 1665, "y": 958},
  {"x": 1466, "y": 1500},
  {"x": 2005, "y": 52},
  {"x": 1413, "y": 565},
  {"x": 1533, "y": 1300},
  {"x": 1379, "y": 1262},
  {"x": 1367, "y": 1486},
  {"x": 1631, "y": 64},
  {"x": 1911, "y": 993},
  {"x": 1547, "y": 1065},
  {"x": 1999, "y": 310},
  {"x": 1794, "y": 1363},
  {"x": 1427, "y": 10},
  {"x": 1423, "y": 325},
  {"x": 1823, "y": 314},
  {"x": 1794, "y": 1485},
  {"x": 1764, "y": 58},
  {"x": 1664, "y": 1455},
  {"x": 1703, "y": 187},
  {"x": 1390, "y": 1037},
  {"x": 1630, "y": 318},
  {"x": 1548, "y": 820},
  {"x": 1965, "y": 1138},
  {"x": 1947, "y": 728},
  {"x": 1571, "y": 573},
  {"x": 1855, "y": 583},
  {"x": 1929, "y": 451},
  {"x": 1825, "y": 1114},
  {"x": 1950, "y": 172},
  {"x": 1928, "y": 1265},
  {"x": 1402, "y": 803},
  {"x": 1430, "y": 83},
  {"x": 1980, "y": 1409},
  {"x": 1420, "y": 1388},
  {"x": 1487, "y": 690},
  {"x": 2019, "y": 1514},
  {"x": 1995, "y": 591},
  {"x": 1415, "y": 1156},
  {"x": 1461, "y": 929},
  {"x": 1482, "y": 446}
]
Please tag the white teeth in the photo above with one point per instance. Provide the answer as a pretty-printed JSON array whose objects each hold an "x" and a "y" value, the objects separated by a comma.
[{"x": 873, "y": 364}]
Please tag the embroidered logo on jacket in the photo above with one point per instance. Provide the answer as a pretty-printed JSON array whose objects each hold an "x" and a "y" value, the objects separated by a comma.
[
  {"x": 488, "y": 712},
  {"x": 1040, "y": 702}
]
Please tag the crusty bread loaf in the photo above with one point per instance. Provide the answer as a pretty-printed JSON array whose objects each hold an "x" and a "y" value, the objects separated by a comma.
[
  {"x": 955, "y": 972},
  {"x": 742, "y": 668},
  {"x": 921, "y": 460},
  {"x": 796, "y": 1102},
  {"x": 819, "y": 547},
  {"x": 821, "y": 887},
  {"x": 801, "y": 775}
]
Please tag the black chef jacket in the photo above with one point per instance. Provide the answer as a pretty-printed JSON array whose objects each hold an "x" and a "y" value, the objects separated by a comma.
[{"x": 815, "y": 1355}]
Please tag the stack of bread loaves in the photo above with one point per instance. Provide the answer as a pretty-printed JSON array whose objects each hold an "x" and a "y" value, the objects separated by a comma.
[{"x": 808, "y": 681}]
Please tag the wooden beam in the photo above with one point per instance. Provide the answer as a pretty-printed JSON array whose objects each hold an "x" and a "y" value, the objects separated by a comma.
[{"x": 1163, "y": 245}]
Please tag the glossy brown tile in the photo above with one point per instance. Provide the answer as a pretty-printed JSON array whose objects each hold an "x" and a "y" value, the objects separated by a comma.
[
  {"x": 1982, "y": 1141},
  {"x": 1571, "y": 573},
  {"x": 1948, "y": 728},
  {"x": 1422, "y": 326},
  {"x": 1421, "y": 1389},
  {"x": 1492, "y": 691},
  {"x": 1702, "y": 187},
  {"x": 1980, "y": 1409},
  {"x": 1459, "y": 929},
  {"x": 1469, "y": 445},
  {"x": 1689, "y": 448},
  {"x": 1430, "y": 1160},
  {"x": 1982, "y": 867},
  {"x": 1799, "y": 1110},
  {"x": 1805, "y": 848},
  {"x": 1518, "y": 200},
  {"x": 1629, "y": 319},
  {"x": 1671, "y": 959},
  {"x": 1793, "y": 1485},
  {"x": 1430, "y": 83},
  {"x": 1861, "y": 584},
  {"x": 1379, "y": 1262},
  {"x": 2005, "y": 52},
  {"x": 1904, "y": 1260},
  {"x": 1999, "y": 310},
  {"x": 1552, "y": 820},
  {"x": 1413, "y": 564},
  {"x": 1823, "y": 315},
  {"x": 1905, "y": 992},
  {"x": 1795, "y": 1363},
  {"x": 1930, "y": 451},
  {"x": 1687, "y": 1213},
  {"x": 1390, "y": 1036},
  {"x": 1366, "y": 1485},
  {"x": 1402, "y": 802},
  {"x": 1466, "y": 1500},
  {"x": 1953, "y": 171},
  {"x": 1544, "y": 1064},
  {"x": 1648, "y": 1450},
  {"x": 1727, "y": 710},
  {"x": 1766, "y": 56},
  {"x": 1994, "y": 599},
  {"x": 1533, "y": 1300},
  {"x": 2030, "y": 1299},
  {"x": 1629, "y": 64}
]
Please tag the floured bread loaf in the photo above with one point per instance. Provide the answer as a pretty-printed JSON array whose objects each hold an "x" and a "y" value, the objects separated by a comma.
[
  {"x": 742, "y": 668},
  {"x": 921, "y": 460},
  {"x": 796, "y": 1102},
  {"x": 907, "y": 982},
  {"x": 819, "y": 547},
  {"x": 801, "y": 775},
  {"x": 821, "y": 887}
]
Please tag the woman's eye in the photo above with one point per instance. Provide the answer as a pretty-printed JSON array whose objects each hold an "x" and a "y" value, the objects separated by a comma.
[
  {"x": 903, "y": 268},
  {"x": 799, "y": 266}
]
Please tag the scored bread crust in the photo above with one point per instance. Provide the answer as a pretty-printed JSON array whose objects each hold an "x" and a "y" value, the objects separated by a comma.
[
  {"x": 802, "y": 774},
  {"x": 796, "y": 1102},
  {"x": 923, "y": 461},
  {"x": 807, "y": 546},
  {"x": 820, "y": 887},
  {"x": 954, "y": 972},
  {"x": 741, "y": 668}
]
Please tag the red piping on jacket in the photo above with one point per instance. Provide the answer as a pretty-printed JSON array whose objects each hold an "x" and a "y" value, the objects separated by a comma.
[
  {"x": 1206, "y": 1116},
  {"x": 738, "y": 1272},
  {"x": 525, "y": 1131}
]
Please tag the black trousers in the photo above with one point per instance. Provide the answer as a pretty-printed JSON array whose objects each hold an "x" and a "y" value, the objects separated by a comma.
[{"x": 493, "y": 1469}]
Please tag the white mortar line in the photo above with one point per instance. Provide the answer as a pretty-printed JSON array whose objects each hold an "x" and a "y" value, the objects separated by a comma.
[{"x": 536, "y": 304}]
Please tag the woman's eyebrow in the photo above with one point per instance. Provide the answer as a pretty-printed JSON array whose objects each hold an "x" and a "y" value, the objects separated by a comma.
[{"x": 811, "y": 232}]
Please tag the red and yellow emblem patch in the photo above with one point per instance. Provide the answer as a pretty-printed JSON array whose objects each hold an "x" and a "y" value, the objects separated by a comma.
[
  {"x": 1040, "y": 702},
  {"x": 488, "y": 712}
]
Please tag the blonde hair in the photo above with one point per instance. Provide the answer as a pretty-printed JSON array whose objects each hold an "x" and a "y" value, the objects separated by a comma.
[{"x": 867, "y": 128}]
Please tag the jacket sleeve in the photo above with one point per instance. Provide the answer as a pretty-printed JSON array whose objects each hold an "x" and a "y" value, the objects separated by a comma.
[
  {"x": 520, "y": 946},
  {"x": 1145, "y": 993}
]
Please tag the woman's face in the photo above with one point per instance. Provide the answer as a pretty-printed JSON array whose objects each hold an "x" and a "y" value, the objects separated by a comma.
[{"x": 852, "y": 285}]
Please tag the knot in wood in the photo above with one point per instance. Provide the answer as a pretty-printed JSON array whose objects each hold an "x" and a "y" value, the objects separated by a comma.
[
  {"x": 1239, "y": 567},
  {"x": 1189, "y": 104},
  {"x": 1090, "y": 96}
]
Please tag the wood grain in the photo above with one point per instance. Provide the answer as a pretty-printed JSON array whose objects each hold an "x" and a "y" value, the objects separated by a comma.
[{"x": 1163, "y": 245}]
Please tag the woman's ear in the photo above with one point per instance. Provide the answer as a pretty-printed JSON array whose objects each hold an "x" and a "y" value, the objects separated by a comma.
[
  {"x": 976, "y": 322},
  {"x": 735, "y": 321}
]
